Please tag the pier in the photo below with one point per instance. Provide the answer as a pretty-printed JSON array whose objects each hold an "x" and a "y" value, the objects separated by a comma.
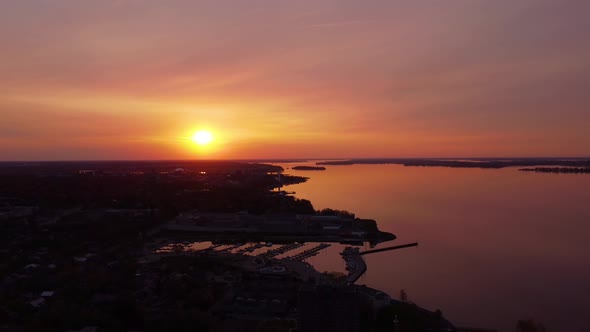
[
  {"x": 230, "y": 248},
  {"x": 214, "y": 246},
  {"x": 415, "y": 244},
  {"x": 309, "y": 252},
  {"x": 281, "y": 250},
  {"x": 251, "y": 248}
]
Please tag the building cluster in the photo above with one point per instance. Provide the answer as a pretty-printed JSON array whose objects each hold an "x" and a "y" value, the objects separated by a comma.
[{"x": 75, "y": 251}]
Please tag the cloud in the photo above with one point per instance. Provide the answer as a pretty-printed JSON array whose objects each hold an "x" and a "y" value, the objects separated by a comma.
[
  {"x": 381, "y": 78},
  {"x": 336, "y": 24}
]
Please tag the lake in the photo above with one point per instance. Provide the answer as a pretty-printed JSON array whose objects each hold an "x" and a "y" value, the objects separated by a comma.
[{"x": 495, "y": 245}]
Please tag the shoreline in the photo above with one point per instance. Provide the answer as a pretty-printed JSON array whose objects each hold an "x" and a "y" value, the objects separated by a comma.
[{"x": 466, "y": 163}]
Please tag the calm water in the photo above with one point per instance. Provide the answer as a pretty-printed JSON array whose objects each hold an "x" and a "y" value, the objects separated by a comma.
[{"x": 495, "y": 245}]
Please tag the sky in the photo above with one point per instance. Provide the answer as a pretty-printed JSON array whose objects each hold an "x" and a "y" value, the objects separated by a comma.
[{"x": 91, "y": 80}]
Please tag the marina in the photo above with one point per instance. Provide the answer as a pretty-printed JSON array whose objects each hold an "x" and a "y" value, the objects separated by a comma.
[
  {"x": 309, "y": 252},
  {"x": 281, "y": 250}
]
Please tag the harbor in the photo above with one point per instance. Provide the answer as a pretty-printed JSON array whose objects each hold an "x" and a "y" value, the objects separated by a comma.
[{"x": 271, "y": 258}]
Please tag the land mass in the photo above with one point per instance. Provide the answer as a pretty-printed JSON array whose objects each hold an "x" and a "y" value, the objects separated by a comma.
[
  {"x": 468, "y": 163},
  {"x": 309, "y": 168},
  {"x": 571, "y": 170},
  {"x": 181, "y": 246}
]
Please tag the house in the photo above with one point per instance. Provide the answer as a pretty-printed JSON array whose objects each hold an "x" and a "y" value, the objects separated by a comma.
[
  {"x": 47, "y": 294},
  {"x": 38, "y": 302}
]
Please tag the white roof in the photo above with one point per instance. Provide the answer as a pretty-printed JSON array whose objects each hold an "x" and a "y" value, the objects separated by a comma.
[{"x": 36, "y": 303}]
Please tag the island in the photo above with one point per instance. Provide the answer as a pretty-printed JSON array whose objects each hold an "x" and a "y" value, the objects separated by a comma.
[
  {"x": 309, "y": 168},
  {"x": 570, "y": 170}
]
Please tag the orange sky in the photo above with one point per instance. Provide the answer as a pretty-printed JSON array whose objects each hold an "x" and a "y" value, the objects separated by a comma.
[{"x": 293, "y": 79}]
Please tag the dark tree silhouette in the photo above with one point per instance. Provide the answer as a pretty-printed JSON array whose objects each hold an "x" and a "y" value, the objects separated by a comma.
[
  {"x": 529, "y": 325},
  {"x": 403, "y": 296}
]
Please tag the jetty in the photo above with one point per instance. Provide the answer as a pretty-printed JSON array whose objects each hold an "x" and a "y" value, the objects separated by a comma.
[{"x": 356, "y": 265}]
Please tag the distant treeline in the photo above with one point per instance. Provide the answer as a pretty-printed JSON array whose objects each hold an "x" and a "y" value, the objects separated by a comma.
[
  {"x": 572, "y": 170},
  {"x": 119, "y": 167},
  {"x": 468, "y": 163},
  {"x": 170, "y": 187},
  {"x": 309, "y": 168}
]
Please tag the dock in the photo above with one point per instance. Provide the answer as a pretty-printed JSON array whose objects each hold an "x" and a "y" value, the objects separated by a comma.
[
  {"x": 309, "y": 252},
  {"x": 281, "y": 250},
  {"x": 230, "y": 248}
]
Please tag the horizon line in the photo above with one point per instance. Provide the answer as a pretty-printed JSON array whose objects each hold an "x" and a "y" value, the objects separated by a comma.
[{"x": 283, "y": 159}]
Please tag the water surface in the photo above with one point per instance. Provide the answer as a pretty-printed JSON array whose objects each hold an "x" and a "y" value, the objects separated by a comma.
[{"x": 495, "y": 245}]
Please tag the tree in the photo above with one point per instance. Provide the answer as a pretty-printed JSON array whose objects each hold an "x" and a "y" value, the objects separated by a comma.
[
  {"x": 529, "y": 325},
  {"x": 403, "y": 296}
]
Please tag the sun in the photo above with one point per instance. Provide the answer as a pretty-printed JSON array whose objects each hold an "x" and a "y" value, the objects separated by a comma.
[{"x": 202, "y": 137}]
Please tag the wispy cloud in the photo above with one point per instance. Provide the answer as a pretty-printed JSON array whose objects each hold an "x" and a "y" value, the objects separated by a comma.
[
  {"x": 336, "y": 24},
  {"x": 382, "y": 78}
]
